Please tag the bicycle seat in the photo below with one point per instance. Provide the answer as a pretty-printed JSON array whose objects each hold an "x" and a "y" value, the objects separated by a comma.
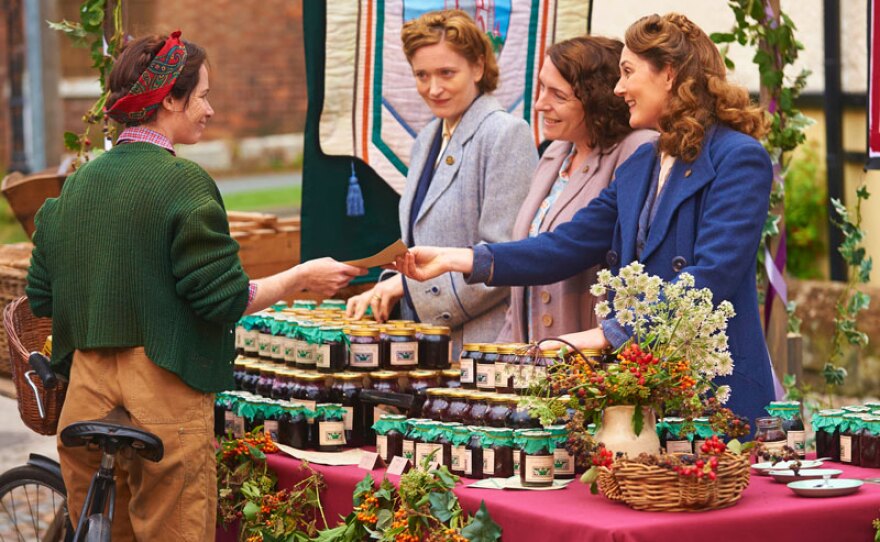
[{"x": 112, "y": 433}]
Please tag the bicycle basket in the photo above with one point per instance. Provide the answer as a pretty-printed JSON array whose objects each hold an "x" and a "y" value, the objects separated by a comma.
[{"x": 39, "y": 407}]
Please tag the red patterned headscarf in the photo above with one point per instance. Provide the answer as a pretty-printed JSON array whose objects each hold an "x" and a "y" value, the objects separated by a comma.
[{"x": 142, "y": 101}]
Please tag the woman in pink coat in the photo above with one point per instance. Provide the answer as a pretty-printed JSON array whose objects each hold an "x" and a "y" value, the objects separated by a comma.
[{"x": 591, "y": 136}]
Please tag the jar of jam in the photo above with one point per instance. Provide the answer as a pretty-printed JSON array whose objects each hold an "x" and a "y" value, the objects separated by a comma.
[
  {"x": 458, "y": 407},
  {"x": 792, "y": 424},
  {"x": 673, "y": 438},
  {"x": 332, "y": 304},
  {"x": 436, "y": 404},
  {"x": 498, "y": 411},
  {"x": 473, "y": 467},
  {"x": 390, "y": 429},
  {"x": 330, "y": 425},
  {"x": 856, "y": 409},
  {"x": 486, "y": 367},
  {"x": 444, "y": 439},
  {"x": 251, "y": 410},
  {"x": 223, "y": 415},
  {"x": 869, "y": 443},
  {"x": 307, "y": 339},
  {"x": 266, "y": 381},
  {"x": 264, "y": 342},
  {"x": 364, "y": 349},
  {"x": 548, "y": 358},
  {"x": 293, "y": 426},
  {"x": 402, "y": 349},
  {"x": 282, "y": 385},
  {"x": 467, "y": 365},
  {"x": 239, "y": 371},
  {"x": 459, "y": 436},
  {"x": 251, "y": 377},
  {"x": 524, "y": 375},
  {"x": 537, "y": 462},
  {"x": 312, "y": 390},
  {"x": 428, "y": 444},
  {"x": 410, "y": 438},
  {"x": 519, "y": 418},
  {"x": 239, "y": 337},
  {"x": 421, "y": 380},
  {"x": 387, "y": 381},
  {"x": 251, "y": 335},
  {"x": 306, "y": 304},
  {"x": 505, "y": 367},
  {"x": 450, "y": 378},
  {"x": 331, "y": 355},
  {"x": 288, "y": 344},
  {"x": 278, "y": 326},
  {"x": 346, "y": 390},
  {"x": 476, "y": 415},
  {"x": 826, "y": 423},
  {"x": 435, "y": 348},
  {"x": 850, "y": 433},
  {"x": 501, "y": 445},
  {"x": 272, "y": 412},
  {"x": 563, "y": 460},
  {"x": 769, "y": 432}
]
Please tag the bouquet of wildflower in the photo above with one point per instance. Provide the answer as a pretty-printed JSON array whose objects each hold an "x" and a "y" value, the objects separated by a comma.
[{"x": 678, "y": 346}]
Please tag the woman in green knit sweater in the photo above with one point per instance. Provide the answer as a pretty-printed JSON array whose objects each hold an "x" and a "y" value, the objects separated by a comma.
[{"x": 136, "y": 267}]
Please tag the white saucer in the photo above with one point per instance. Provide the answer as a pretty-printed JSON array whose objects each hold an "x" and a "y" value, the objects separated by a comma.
[
  {"x": 825, "y": 488},
  {"x": 764, "y": 468},
  {"x": 786, "y": 476}
]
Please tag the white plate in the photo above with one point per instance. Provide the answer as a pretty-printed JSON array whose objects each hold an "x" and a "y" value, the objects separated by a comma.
[
  {"x": 786, "y": 476},
  {"x": 825, "y": 488},
  {"x": 767, "y": 466}
]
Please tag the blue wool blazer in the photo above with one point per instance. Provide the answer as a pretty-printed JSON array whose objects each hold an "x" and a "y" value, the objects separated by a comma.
[{"x": 708, "y": 224}]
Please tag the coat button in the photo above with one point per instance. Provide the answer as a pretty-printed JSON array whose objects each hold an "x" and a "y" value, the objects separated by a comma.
[
  {"x": 611, "y": 258},
  {"x": 586, "y": 169},
  {"x": 678, "y": 263},
  {"x": 446, "y": 316},
  {"x": 545, "y": 297},
  {"x": 547, "y": 320},
  {"x": 687, "y": 173},
  {"x": 435, "y": 290},
  {"x": 450, "y": 160}
]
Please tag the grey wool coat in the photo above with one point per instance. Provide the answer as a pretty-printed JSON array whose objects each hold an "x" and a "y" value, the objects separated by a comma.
[{"x": 479, "y": 183}]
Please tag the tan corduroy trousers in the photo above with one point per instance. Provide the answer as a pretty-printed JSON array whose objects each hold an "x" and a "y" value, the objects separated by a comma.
[{"x": 174, "y": 499}]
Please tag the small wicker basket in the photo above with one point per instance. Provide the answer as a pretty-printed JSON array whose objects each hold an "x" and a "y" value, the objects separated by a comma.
[
  {"x": 39, "y": 407},
  {"x": 656, "y": 489}
]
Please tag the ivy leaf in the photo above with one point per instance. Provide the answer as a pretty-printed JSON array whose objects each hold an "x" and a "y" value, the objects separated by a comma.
[
  {"x": 722, "y": 37},
  {"x": 72, "y": 30},
  {"x": 71, "y": 141},
  {"x": 446, "y": 478},
  {"x": 862, "y": 192},
  {"x": 736, "y": 446},
  {"x": 834, "y": 376},
  {"x": 482, "y": 528},
  {"x": 250, "y": 510},
  {"x": 362, "y": 488},
  {"x": 858, "y": 302},
  {"x": 865, "y": 270},
  {"x": 256, "y": 453},
  {"x": 440, "y": 502},
  {"x": 384, "y": 518},
  {"x": 638, "y": 420}
]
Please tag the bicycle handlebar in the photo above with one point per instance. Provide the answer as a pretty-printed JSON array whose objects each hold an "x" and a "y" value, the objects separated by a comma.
[{"x": 40, "y": 364}]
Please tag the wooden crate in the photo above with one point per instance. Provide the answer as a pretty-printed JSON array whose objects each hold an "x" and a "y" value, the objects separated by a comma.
[{"x": 267, "y": 244}]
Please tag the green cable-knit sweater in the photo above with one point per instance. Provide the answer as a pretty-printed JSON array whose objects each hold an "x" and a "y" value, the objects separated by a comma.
[{"x": 136, "y": 252}]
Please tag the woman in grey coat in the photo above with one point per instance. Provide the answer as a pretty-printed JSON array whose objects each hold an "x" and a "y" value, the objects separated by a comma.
[{"x": 469, "y": 172}]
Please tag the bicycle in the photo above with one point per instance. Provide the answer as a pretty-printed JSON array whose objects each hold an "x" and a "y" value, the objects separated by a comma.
[{"x": 112, "y": 434}]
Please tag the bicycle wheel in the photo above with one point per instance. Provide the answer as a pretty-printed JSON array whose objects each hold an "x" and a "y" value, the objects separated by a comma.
[{"x": 33, "y": 506}]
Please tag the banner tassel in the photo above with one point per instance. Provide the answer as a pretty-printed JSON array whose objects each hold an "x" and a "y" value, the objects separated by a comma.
[{"x": 354, "y": 202}]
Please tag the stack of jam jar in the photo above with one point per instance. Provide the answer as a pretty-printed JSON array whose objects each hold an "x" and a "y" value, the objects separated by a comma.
[{"x": 850, "y": 435}]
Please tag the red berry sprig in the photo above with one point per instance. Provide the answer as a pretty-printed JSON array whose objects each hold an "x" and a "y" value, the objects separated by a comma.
[
  {"x": 603, "y": 457},
  {"x": 713, "y": 446}
]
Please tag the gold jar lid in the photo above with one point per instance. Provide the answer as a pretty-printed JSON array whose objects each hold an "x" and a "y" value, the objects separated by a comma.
[
  {"x": 477, "y": 395},
  {"x": 436, "y": 330},
  {"x": 589, "y": 352},
  {"x": 489, "y": 348},
  {"x": 348, "y": 376},
  {"x": 312, "y": 377},
  {"x": 456, "y": 392},
  {"x": 497, "y": 398},
  {"x": 400, "y": 331},
  {"x": 437, "y": 391},
  {"x": 470, "y": 346},
  {"x": 406, "y": 323},
  {"x": 364, "y": 332},
  {"x": 384, "y": 375},
  {"x": 244, "y": 362},
  {"x": 267, "y": 370},
  {"x": 507, "y": 349},
  {"x": 423, "y": 373},
  {"x": 550, "y": 352},
  {"x": 451, "y": 373}
]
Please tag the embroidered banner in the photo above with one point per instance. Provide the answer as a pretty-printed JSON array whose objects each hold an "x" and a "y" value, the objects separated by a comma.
[{"x": 371, "y": 107}]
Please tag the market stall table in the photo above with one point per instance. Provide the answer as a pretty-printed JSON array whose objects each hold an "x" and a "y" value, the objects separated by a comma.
[{"x": 767, "y": 511}]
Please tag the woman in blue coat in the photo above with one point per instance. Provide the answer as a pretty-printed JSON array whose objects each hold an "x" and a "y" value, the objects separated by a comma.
[{"x": 693, "y": 202}]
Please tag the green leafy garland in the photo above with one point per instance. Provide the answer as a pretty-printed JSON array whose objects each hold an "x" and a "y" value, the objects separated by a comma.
[{"x": 89, "y": 32}]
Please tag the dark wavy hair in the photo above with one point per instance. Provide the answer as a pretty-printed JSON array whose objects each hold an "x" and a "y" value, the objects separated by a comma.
[
  {"x": 590, "y": 65},
  {"x": 136, "y": 55},
  {"x": 701, "y": 94}
]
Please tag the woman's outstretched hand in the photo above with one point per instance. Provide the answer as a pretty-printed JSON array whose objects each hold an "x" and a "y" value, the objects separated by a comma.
[{"x": 424, "y": 263}]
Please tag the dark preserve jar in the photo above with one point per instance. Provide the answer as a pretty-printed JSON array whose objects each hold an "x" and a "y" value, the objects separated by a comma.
[
  {"x": 331, "y": 355},
  {"x": 869, "y": 443},
  {"x": 266, "y": 381},
  {"x": 519, "y": 418},
  {"x": 505, "y": 367},
  {"x": 792, "y": 424},
  {"x": 850, "y": 432},
  {"x": 827, "y": 426},
  {"x": 498, "y": 411},
  {"x": 459, "y": 435},
  {"x": 769, "y": 432},
  {"x": 346, "y": 390},
  {"x": 563, "y": 461},
  {"x": 436, "y": 346},
  {"x": 313, "y": 390},
  {"x": 364, "y": 350},
  {"x": 272, "y": 411},
  {"x": 479, "y": 407},
  {"x": 390, "y": 429},
  {"x": 486, "y": 367},
  {"x": 223, "y": 415},
  {"x": 522, "y": 377},
  {"x": 436, "y": 404},
  {"x": 537, "y": 466},
  {"x": 502, "y": 445},
  {"x": 672, "y": 439},
  {"x": 420, "y": 381},
  {"x": 401, "y": 349},
  {"x": 239, "y": 372},
  {"x": 330, "y": 425},
  {"x": 388, "y": 381},
  {"x": 252, "y": 410},
  {"x": 251, "y": 377},
  {"x": 293, "y": 427},
  {"x": 282, "y": 385},
  {"x": 458, "y": 407},
  {"x": 474, "y": 458},
  {"x": 410, "y": 438},
  {"x": 544, "y": 363},
  {"x": 450, "y": 378},
  {"x": 466, "y": 365}
]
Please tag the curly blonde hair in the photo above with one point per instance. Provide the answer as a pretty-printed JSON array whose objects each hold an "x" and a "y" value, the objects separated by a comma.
[
  {"x": 458, "y": 30},
  {"x": 701, "y": 94}
]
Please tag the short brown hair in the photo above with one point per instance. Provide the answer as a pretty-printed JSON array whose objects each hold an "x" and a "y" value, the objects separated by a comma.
[
  {"x": 136, "y": 55},
  {"x": 460, "y": 32},
  {"x": 590, "y": 65},
  {"x": 701, "y": 94}
]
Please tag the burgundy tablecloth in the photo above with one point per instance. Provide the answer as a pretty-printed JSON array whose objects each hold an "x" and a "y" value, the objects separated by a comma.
[{"x": 767, "y": 511}]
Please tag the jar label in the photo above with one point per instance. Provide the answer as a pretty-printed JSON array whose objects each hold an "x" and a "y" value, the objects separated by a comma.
[
  {"x": 239, "y": 337},
  {"x": 500, "y": 374},
  {"x": 308, "y": 404},
  {"x": 523, "y": 377},
  {"x": 238, "y": 427},
  {"x": 539, "y": 468},
  {"x": 382, "y": 446},
  {"x": 468, "y": 462},
  {"x": 364, "y": 355},
  {"x": 516, "y": 464},
  {"x": 288, "y": 349},
  {"x": 409, "y": 449},
  {"x": 305, "y": 353},
  {"x": 797, "y": 441},
  {"x": 251, "y": 338},
  {"x": 459, "y": 458},
  {"x": 488, "y": 461},
  {"x": 845, "y": 449},
  {"x": 404, "y": 354},
  {"x": 486, "y": 375},
  {"x": 322, "y": 356},
  {"x": 678, "y": 447},
  {"x": 264, "y": 344},
  {"x": 228, "y": 422},
  {"x": 331, "y": 433},
  {"x": 425, "y": 449},
  {"x": 277, "y": 347},
  {"x": 348, "y": 419},
  {"x": 467, "y": 370},
  {"x": 773, "y": 446},
  {"x": 271, "y": 429},
  {"x": 563, "y": 462}
]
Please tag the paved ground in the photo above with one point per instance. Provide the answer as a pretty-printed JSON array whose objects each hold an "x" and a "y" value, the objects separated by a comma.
[{"x": 16, "y": 440}]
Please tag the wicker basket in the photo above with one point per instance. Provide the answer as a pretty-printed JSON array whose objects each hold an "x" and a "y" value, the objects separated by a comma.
[
  {"x": 14, "y": 261},
  {"x": 39, "y": 407},
  {"x": 656, "y": 489}
]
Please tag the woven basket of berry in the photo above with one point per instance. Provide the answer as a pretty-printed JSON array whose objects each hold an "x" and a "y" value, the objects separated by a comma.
[{"x": 608, "y": 485}]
